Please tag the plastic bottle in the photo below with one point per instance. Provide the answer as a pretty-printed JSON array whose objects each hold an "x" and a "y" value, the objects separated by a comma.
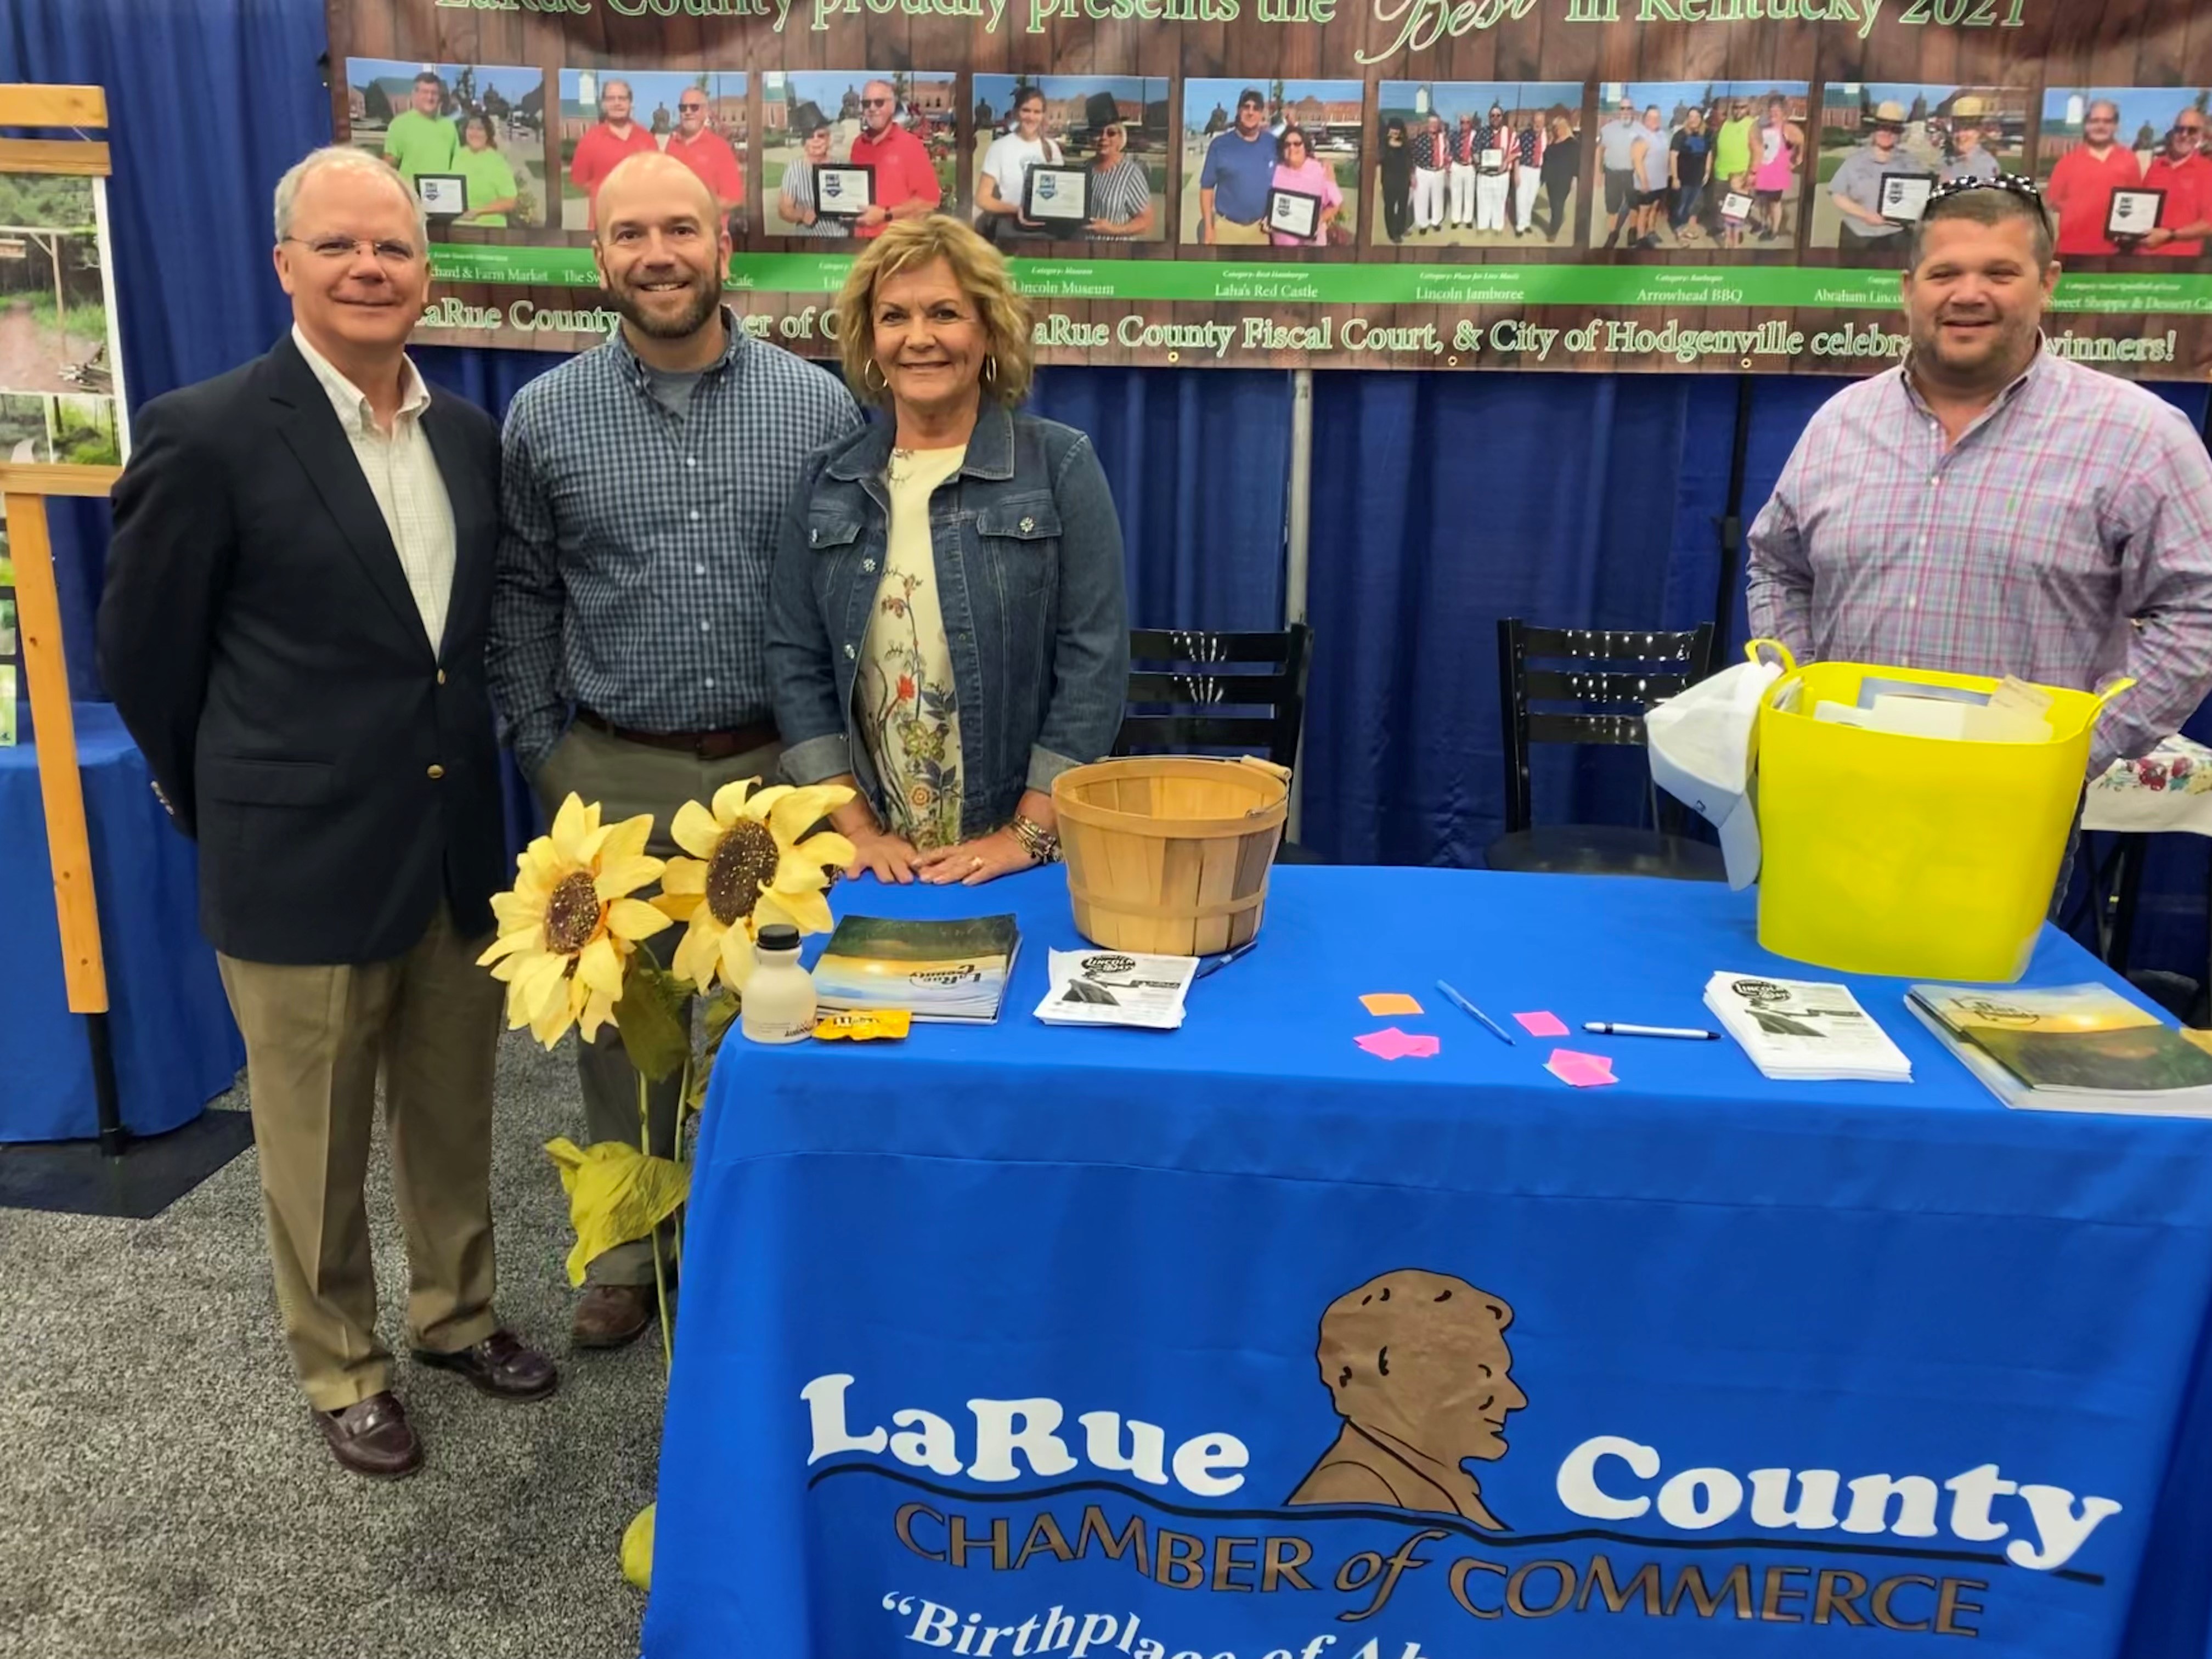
[{"x": 779, "y": 998}]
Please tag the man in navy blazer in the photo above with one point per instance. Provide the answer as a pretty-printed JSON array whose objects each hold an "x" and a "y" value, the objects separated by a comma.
[{"x": 292, "y": 630}]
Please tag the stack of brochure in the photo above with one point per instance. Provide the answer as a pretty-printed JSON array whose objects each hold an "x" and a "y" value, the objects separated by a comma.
[
  {"x": 2069, "y": 1048},
  {"x": 1808, "y": 1032},
  {"x": 1116, "y": 988}
]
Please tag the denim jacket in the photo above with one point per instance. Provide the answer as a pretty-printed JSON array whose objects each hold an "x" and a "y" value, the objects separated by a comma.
[{"x": 1028, "y": 563}]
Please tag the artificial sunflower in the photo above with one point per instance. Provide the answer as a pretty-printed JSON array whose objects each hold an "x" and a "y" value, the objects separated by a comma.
[
  {"x": 568, "y": 927},
  {"x": 749, "y": 870}
]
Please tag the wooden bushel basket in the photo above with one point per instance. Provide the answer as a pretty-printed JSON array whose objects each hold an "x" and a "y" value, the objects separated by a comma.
[{"x": 1169, "y": 853}]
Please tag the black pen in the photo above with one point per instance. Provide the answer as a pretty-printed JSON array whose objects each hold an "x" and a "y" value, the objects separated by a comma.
[{"x": 1223, "y": 960}]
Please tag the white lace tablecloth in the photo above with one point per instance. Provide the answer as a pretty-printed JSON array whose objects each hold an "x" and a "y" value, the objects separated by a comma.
[{"x": 2168, "y": 789}]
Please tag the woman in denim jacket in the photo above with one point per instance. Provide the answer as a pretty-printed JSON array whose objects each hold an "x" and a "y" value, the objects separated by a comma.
[{"x": 947, "y": 628}]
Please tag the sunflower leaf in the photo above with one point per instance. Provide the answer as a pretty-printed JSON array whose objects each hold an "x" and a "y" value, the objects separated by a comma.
[
  {"x": 649, "y": 1016},
  {"x": 721, "y": 1009}
]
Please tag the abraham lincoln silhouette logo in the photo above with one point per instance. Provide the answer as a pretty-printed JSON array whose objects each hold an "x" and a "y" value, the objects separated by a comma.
[{"x": 1417, "y": 1365}]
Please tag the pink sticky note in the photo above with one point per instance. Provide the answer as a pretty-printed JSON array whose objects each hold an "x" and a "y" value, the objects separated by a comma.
[
  {"x": 1580, "y": 1071},
  {"x": 1391, "y": 1043},
  {"x": 1541, "y": 1025}
]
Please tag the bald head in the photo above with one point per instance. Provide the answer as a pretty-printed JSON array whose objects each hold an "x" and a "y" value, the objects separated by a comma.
[{"x": 651, "y": 188}]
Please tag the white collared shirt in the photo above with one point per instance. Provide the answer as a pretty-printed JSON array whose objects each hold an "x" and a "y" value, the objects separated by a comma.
[{"x": 402, "y": 475}]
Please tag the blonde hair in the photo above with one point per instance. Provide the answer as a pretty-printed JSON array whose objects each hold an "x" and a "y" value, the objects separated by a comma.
[{"x": 980, "y": 271}]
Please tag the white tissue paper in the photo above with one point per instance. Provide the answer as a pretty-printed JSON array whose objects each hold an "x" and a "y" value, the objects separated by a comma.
[{"x": 1700, "y": 745}]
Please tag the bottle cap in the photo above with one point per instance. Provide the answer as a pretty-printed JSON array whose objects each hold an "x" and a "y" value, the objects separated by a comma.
[{"x": 777, "y": 936}]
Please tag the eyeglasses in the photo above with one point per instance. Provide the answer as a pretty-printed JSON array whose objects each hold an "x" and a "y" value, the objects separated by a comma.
[
  {"x": 690, "y": 108},
  {"x": 876, "y": 103},
  {"x": 2192, "y": 132},
  {"x": 332, "y": 249}
]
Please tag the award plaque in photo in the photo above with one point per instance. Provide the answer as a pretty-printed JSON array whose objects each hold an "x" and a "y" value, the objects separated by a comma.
[
  {"x": 2134, "y": 214},
  {"x": 1493, "y": 161},
  {"x": 1294, "y": 213},
  {"x": 1736, "y": 206},
  {"x": 443, "y": 194},
  {"x": 1059, "y": 197},
  {"x": 842, "y": 191},
  {"x": 1905, "y": 197}
]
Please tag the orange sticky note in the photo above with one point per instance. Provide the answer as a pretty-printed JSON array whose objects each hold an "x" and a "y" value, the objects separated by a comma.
[{"x": 1389, "y": 1002}]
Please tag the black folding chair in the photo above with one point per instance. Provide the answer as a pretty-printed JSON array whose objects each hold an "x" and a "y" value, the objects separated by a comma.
[
  {"x": 1608, "y": 678},
  {"x": 1194, "y": 693}
]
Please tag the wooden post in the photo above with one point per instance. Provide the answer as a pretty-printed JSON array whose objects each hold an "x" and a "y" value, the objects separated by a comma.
[{"x": 69, "y": 848}]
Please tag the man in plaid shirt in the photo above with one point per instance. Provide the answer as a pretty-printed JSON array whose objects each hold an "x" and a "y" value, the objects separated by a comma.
[
  {"x": 1987, "y": 507},
  {"x": 643, "y": 484}
]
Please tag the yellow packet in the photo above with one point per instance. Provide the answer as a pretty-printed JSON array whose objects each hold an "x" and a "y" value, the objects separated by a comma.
[{"x": 864, "y": 1025}]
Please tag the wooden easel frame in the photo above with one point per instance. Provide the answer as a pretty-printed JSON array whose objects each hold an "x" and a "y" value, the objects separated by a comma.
[{"x": 23, "y": 490}]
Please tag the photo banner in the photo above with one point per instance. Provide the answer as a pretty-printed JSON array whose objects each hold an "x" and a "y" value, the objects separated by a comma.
[{"x": 1600, "y": 185}]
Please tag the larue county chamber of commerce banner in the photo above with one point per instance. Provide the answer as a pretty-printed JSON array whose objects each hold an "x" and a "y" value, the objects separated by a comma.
[{"x": 1603, "y": 184}]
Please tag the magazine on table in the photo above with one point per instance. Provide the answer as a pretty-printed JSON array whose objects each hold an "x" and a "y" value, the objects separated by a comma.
[
  {"x": 2069, "y": 1047},
  {"x": 955, "y": 971}
]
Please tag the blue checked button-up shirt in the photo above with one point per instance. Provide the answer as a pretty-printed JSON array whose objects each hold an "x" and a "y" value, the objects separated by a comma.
[
  {"x": 637, "y": 547},
  {"x": 2065, "y": 537}
]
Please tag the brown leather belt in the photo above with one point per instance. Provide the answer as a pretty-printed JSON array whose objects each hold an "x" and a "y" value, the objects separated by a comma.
[{"x": 707, "y": 745}]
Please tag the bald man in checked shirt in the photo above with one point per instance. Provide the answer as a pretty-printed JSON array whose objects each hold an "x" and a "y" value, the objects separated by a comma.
[{"x": 1989, "y": 508}]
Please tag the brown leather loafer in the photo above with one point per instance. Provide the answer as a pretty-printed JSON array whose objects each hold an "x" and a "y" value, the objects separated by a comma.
[
  {"x": 613, "y": 1316},
  {"x": 501, "y": 1366},
  {"x": 372, "y": 1438}
]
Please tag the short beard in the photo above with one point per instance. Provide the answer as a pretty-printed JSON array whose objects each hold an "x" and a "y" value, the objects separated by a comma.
[{"x": 704, "y": 305}]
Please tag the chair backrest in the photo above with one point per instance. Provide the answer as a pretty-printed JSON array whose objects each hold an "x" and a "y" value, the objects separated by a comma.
[
  {"x": 1611, "y": 675},
  {"x": 1192, "y": 692}
]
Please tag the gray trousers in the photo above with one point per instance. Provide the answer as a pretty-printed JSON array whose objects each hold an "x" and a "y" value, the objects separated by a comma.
[{"x": 627, "y": 779}]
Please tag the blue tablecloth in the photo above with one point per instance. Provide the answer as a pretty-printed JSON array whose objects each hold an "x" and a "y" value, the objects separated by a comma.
[
  {"x": 175, "y": 1046},
  {"x": 1022, "y": 1329}
]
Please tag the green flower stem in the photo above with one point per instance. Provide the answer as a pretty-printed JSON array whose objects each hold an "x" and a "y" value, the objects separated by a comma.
[{"x": 659, "y": 1277}]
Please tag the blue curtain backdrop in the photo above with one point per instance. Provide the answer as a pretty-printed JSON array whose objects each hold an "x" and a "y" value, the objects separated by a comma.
[{"x": 1440, "y": 502}]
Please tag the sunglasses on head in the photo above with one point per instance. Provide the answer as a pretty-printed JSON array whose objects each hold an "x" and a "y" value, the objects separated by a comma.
[{"x": 2012, "y": 184}]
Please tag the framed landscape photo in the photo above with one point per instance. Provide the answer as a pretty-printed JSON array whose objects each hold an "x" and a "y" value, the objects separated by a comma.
[
  {"x": 842, "y": 191},
  {"x": 2133, "y": 214},
  {"x": 1294, "y": 213},
  {"x": 1905, "y": 196},
  {"x": 1057, "y": 196}
]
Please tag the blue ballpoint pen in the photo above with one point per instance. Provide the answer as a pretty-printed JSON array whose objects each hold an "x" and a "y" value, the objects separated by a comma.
[{"x": 1496, "y": 1031}]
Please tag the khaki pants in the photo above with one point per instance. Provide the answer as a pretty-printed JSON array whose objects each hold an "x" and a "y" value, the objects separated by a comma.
[
  {"x": 1227, "y": 233},
  {"x": 627, "y": 779},
  {"x": 316, "y": 1039}
]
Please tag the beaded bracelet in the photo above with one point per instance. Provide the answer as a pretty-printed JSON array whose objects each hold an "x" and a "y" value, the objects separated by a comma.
[{"x": 1039, "y": 843}]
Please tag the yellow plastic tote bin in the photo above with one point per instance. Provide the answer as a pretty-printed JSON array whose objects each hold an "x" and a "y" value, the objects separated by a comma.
[{"x": 1923, "y": 857}]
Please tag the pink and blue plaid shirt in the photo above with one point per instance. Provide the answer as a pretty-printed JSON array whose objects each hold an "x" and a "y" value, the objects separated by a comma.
[{"x": 2066, "y": 537}]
